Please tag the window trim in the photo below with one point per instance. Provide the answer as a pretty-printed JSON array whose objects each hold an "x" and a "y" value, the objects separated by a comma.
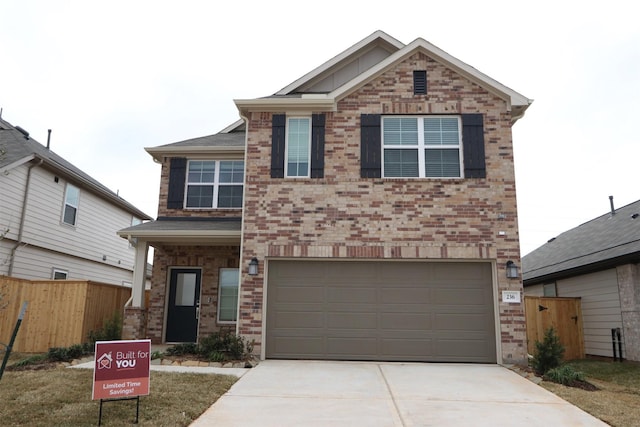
[
  {"x": 286, "y": 147},
  {"x": 422, "y": 146},
  {"x": 227, "y": 322},
  {"x": 55, "y": 270},
  {"x": 65, "y": 204},
  {"x": 216, "y": 184}
]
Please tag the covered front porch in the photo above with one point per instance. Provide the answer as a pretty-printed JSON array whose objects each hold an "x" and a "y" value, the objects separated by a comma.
[{"x": 194, "y": 283}]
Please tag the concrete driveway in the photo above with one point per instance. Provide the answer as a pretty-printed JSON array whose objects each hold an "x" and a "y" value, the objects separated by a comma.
[{"x": 315, "y": 393}]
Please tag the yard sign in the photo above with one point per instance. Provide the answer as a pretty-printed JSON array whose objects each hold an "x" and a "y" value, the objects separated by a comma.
[{"x": 121, "y": 369}]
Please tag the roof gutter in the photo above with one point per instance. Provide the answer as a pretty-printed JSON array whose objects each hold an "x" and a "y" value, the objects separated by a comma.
[
  {"x": 276, "y": 105},
  {"x": 23, "y": 214}
]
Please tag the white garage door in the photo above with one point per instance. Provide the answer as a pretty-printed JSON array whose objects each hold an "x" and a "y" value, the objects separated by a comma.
[{"x": 395, "y": 311}]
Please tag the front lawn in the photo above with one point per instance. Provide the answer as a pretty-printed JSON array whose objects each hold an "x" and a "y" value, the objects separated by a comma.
[
  {"x": 62, "y": 396},
  {"x": 617, "y": 402}
]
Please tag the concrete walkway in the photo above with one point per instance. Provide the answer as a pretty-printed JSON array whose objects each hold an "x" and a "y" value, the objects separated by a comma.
[{"x": 310, "y": 393}]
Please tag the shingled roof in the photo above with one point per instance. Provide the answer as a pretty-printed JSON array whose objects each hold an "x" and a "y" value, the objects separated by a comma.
[
  {"x": 604, "y": 242},
  {"x": 18, "y": 147}
]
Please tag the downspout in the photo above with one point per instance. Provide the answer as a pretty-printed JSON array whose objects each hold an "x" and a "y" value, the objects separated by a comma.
[{"x": 23, "y": 214}]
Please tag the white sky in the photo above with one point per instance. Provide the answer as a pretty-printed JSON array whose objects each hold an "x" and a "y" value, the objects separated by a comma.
[{"x": 110, "y": 78}]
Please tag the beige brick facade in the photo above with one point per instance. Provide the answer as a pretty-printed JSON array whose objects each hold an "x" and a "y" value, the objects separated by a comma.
[{"x": 345, "y": 216}]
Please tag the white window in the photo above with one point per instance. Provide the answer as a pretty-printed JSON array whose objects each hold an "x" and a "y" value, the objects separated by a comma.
[
  {"x": 215, "y": 183},
  {"x": 228, "y": 295},
  {"x": 71, "y": 203},
  {"x": 59, "y": 274},
  {"x": 421, "y": 147},
  {"x": 298, "y": 151}
]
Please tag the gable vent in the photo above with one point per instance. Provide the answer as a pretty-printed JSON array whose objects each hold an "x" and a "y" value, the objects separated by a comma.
[{"x": 419, "y": 82}]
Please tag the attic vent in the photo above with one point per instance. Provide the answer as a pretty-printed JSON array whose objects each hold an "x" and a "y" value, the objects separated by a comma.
[
  {"x": 419, "y": 82},
  {"x": 22, "y": 131}
]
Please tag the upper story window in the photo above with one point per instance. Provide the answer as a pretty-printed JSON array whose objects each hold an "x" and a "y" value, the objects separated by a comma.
[
  {"x": 214, "y": 183},
  {"x": 421, "y": 147},
  {"x": 298, "y": 147},
  {"x": 71, "y": 203}
]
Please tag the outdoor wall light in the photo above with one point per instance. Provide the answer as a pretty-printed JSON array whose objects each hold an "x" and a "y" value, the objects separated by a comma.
[
  {"x": 253, "y": 266},
  {"x": 512, "y": 270}
]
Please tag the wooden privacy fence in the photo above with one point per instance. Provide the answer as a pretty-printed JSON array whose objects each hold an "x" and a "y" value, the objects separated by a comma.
[
  {"x": 60, "y": 312},
  {"x": 564, "y": 315}
]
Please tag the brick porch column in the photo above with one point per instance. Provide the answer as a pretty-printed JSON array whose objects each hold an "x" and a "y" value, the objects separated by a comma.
[{"x": 134, "y": 325}]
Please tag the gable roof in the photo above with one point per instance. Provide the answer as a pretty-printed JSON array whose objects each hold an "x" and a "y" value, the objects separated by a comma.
[
  {"x": 230, "y": 140},
  {"x": 18, "y": 148},
  {"x": 290, "y": 99},
  {"x": 606, "y": 241}
]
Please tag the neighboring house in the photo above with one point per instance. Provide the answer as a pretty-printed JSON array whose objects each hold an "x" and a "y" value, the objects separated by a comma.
[
  {"x": 57, "y": 222},
  {"x": 598, "y": 261},
  {"x": 367, "y": 211}
]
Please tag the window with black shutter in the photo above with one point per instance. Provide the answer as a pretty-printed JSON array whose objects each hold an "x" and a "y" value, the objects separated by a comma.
[{"x": 422, "y": 146}]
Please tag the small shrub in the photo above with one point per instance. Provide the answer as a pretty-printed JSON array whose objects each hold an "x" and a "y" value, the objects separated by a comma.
[
  {"x": 548, "y": 353},
  {"x": 564, "y": 374},
  {"x": 217, "y": 347},
  {"x": 111, "y": 330},
  {"x": 182, "y": 349},
  {"x": 58, "y": 354},
  {"x": 156, "y": 355},
  {"x": 216, "y": 356}
]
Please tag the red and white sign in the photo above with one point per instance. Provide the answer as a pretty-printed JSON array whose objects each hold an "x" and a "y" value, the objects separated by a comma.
[{"x": 121, "y": 369}]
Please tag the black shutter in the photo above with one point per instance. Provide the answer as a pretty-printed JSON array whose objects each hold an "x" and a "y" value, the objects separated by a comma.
[
  {"x": 419, "y": 82},
  {"x": 370, "y": 146},
  {"x": 177, "y": 174},
  {"x": 473, "y": 146},
  {"x": 317, "y": 146},
  {"x": 278, "y": 125}
]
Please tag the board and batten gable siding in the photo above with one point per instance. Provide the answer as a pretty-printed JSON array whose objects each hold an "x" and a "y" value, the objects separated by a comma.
[
  {"x": 93, "y": 237},
  {"x": 600, "y": 307}
]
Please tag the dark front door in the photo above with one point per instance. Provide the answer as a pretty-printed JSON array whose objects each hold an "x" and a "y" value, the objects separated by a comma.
[{"x": 184, "y": 305}]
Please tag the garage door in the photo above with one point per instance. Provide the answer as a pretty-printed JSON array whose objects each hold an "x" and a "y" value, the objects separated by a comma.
[{"x": 395, "y": 311}]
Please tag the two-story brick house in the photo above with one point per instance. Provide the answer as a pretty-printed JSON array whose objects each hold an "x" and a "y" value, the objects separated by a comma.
[{"x": 367, "y": 211}]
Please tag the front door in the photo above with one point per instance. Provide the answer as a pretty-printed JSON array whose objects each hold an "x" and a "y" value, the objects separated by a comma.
[{"x": 184, "y": 305}]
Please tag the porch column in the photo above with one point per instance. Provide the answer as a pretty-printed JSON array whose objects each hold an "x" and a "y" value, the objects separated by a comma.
[
  {"x": 134, "y": 324},
  {"x": 139, "y": 274}
]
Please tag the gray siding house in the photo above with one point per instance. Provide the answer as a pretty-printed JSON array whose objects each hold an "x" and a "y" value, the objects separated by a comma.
[
  {"x": 56, "y": 222},
  {"x": 598, "y": 261}
]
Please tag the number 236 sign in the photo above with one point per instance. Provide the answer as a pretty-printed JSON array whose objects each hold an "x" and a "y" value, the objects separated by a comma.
[{"x": 511, "y": 296}]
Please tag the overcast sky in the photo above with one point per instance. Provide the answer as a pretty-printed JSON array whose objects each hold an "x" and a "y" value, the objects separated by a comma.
[{"x": 110, "y": 78}]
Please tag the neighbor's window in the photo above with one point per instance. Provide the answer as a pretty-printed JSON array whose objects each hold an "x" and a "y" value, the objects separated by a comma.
[
  {"x": 549, "y": 290},
  {"x": 421, "y": 147},
  {"x": 215, "y": 183},
  {"x": 298, "y": 147},
  {"x": 228, "y": 295},
  {"x": 71, "y": 203},
  {"x": 59, "y": 274}
]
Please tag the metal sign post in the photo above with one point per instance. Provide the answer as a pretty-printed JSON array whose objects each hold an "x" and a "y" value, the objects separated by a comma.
[{"x": 9, "y": 347}]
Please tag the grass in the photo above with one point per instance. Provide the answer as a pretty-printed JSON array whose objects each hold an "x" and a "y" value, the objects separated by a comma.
[
  {"x": 617, "y": 402},
  {"x": 62, "y": 397}
]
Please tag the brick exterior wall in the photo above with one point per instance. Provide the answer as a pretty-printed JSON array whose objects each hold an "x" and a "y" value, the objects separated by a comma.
[
  {"x": 134, "y": 324},
  {"x": 208, "y": 258},
  {"x": 345, "y": 216}
]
